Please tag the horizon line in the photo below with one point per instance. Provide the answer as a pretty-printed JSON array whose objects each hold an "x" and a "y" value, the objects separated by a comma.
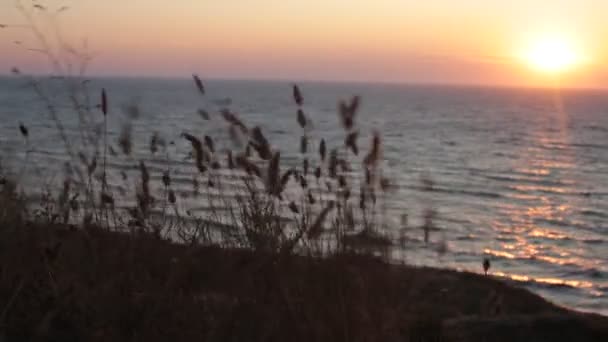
[{"x": 455, "y": 84}]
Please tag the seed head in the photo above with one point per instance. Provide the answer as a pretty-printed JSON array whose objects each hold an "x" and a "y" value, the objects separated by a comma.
[
  {"x": 24, "y": 131},
  {"x": 104, "y": 102},
  {"x": 199, "y": 84},
  {"x": 297, "y": 95}
]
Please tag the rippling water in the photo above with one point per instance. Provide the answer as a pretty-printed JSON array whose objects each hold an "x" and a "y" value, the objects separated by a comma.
[{"x": 521, "y": 176}]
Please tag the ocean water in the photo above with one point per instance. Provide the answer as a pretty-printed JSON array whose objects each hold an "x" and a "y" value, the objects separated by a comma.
[{"x": 520, "y": 175}]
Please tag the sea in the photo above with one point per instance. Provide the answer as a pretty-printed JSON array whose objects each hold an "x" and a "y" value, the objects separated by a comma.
[{"x": 518, "y": 176}]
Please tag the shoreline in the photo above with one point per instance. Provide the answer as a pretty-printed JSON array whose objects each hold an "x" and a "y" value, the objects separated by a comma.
[{"x": 66, "y": 283}]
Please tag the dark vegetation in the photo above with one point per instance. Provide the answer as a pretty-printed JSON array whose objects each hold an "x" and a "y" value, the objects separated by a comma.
[
  {"x": 296, "y": 252},
  {"x": 67, "y": 283}
]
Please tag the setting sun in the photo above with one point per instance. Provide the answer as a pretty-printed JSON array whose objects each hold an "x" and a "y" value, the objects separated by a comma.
[
  {"x": 483, "y": 42},
  {"x": 552, "y": 56}
]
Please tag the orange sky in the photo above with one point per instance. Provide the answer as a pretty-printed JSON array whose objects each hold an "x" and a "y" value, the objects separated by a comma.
[{"x": 449, "y": 41}]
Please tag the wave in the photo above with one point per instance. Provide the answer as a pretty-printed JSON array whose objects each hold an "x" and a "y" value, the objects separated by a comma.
[
  {"x": 555, "y": 191},
  {"x": 598, "y": 146},
  {"x": 593, "y": 241},
  {"x": 589, "y": 212},
  {"x": 455, "y": 191},
  {"x": 592, "y": 273},
  {"x": 568, "y": 224},
  {"x": 541, "y": 182},
  {"x": 596, "y": 128}
]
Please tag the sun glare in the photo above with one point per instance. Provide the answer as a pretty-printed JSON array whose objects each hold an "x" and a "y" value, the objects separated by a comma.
[{"x": 552, "y": 56}]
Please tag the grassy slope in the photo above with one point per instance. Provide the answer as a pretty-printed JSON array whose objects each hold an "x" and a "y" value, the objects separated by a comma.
[{"x": 58, "y": 284}]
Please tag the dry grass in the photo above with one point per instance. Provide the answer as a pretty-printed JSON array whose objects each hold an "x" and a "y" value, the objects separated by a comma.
[{"x": 88, "y": 284}]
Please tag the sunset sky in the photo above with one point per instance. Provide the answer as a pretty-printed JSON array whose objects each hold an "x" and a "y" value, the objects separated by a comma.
[{"x": 433, "y": 41}]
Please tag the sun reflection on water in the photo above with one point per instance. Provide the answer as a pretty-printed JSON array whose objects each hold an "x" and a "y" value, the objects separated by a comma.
[
  {"x": 536, "y": 216},
  {"x": 547, "y": 234},
  {"x": 579, "y": 284}
]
